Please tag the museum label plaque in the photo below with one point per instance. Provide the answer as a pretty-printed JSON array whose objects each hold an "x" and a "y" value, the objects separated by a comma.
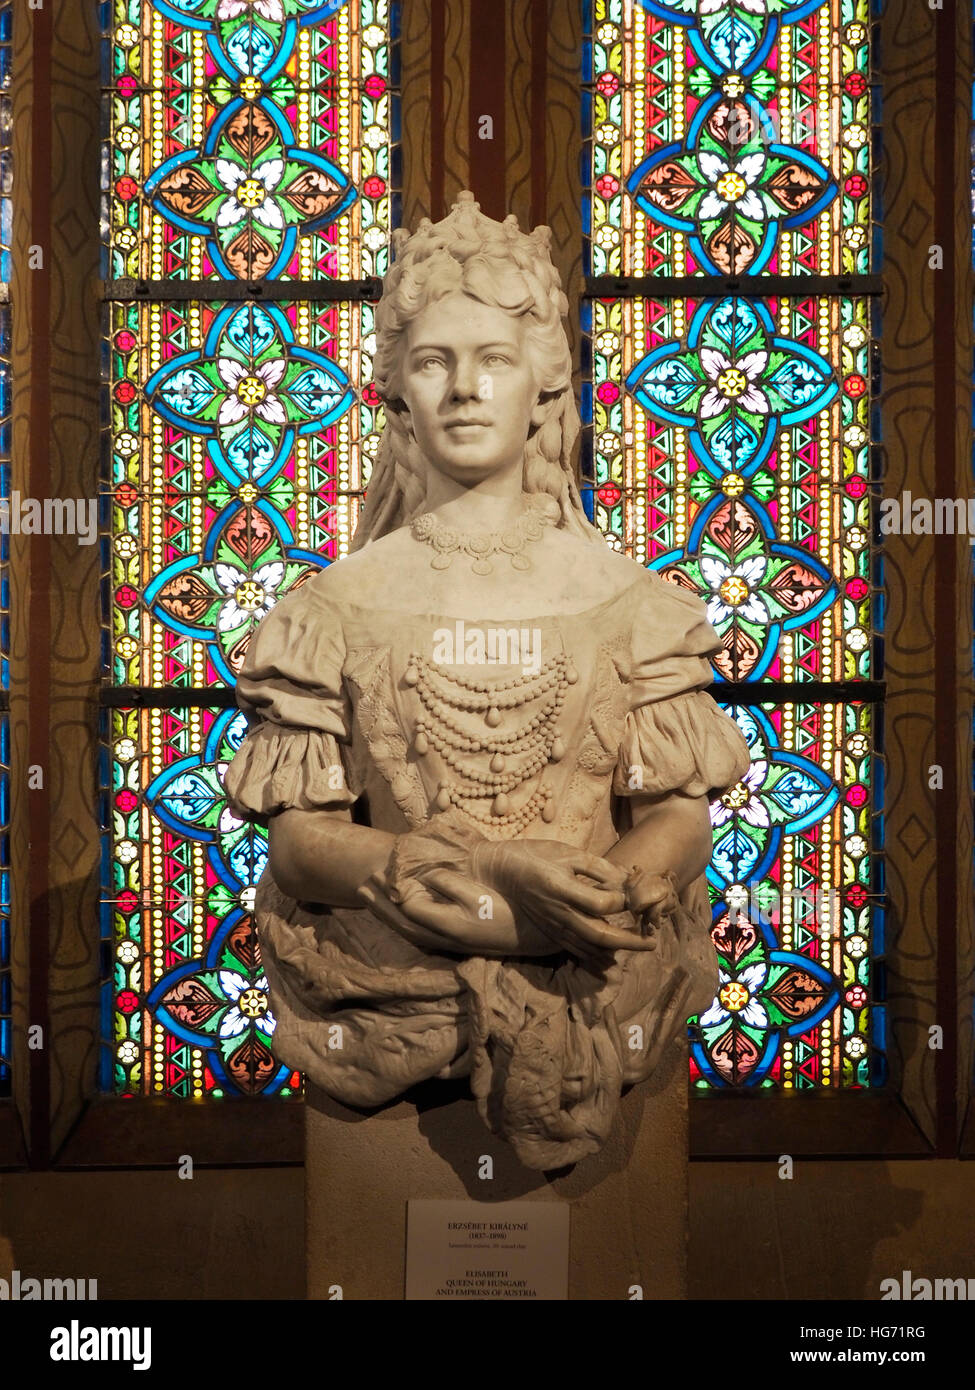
[{"x": 481, "y": 1250}]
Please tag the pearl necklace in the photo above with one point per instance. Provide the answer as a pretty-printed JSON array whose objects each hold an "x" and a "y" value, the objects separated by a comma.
[
  {"x": 513, "y": 758},
  {"x": 479, "y": 546}
]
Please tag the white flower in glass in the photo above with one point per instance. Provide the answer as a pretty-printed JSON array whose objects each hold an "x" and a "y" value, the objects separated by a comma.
[
  {"x": 705, "y": 7},
  {"x": 752, "y": 6},
  {"x": 732, "y": 587},
  {"x": 731, "y": 184},
  {"x": 267, "y": 9},
  {"x": 743, "y": 800},
  {"x": 249, "y": 596},
  {"x": 249, "y": 1004},
  {"x": 736, "y": 996},
  {"x": 251, "y": 389},
  {"x": 733, "y": 383},
  {"x": 250, "y": 192}
]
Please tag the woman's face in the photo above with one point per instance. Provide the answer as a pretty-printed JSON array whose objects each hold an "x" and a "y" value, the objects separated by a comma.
[{"x": 468, "y": 384}]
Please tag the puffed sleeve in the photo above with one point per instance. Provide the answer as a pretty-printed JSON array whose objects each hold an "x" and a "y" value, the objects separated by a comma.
[
  {"x": 675, "y": 737},
  {"x": 297, "y": 751}
]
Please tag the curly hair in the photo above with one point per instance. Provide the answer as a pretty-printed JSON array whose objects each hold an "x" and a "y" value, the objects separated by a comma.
[{"x": 500, "y": 266}]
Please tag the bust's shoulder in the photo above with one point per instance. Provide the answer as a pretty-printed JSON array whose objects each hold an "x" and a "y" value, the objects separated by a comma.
[
  {"x": 359, "y": 578},
  {"x": 652, "y": 602},
  {"x": 595, "y": 564}
]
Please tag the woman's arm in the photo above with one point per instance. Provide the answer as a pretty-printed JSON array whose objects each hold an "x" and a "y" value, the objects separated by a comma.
[
  {"x": 670, "y": 832},
  {"x": 322, "y": 857}
]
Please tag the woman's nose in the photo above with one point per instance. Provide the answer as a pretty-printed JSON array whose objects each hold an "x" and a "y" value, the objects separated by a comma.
[{"x": 464, "y": 384}]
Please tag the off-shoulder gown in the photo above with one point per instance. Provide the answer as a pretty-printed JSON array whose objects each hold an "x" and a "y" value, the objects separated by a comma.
[{"x": 347, "y": 702}]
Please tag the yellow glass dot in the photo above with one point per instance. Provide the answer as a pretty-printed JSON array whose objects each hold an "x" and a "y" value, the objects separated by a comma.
[
  {"x": 251, "y": 87},
  {"x": 731, "y": 186},
  {"x": 733, "y": 996},
  {"x": 732, "y": 485},
  {"x": 252, "y": 1003},
  {"x": 736, "y": 797},
  {"x": 251, "y": 390},
  {"x": 732, "y": 382},
  {"x": 249, "y": 596},
  {"x": 250, "y": 193},
  {"x": 733, "y": 590}
]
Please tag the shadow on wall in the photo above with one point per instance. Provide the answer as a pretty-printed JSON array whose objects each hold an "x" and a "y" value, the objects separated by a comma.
[
  {"x": 230, "y": 1233},
  {"x": 835, "y": 1230}
]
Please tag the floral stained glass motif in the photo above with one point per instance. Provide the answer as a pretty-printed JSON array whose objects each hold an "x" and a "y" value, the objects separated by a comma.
[
  {"x": 250, "y": 192},
  {"x": 716, "y": 425},
  {"x": 191, "y": 1011},
  {"x": 732, "y": 435},
  {"x": 796, "y": 916},
  {"x": 5, "y": 982},
  {"x": 729, "y": 138},
  {"x": 248, "y": 141},
  {"x": 239, "y": 452}
]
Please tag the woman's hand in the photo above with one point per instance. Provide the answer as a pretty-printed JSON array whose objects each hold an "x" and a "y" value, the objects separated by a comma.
[
  {"x": 652, "y": 898},
  {"x": 449, "y": 912},
  {"x": 562, "y": 892},
  {"x": 528, "y": 898}
]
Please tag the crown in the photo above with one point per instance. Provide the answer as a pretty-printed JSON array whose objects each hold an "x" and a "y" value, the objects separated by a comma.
[{"x": 466, "y": 232}]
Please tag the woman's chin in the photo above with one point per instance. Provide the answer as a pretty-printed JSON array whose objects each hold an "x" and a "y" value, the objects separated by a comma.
[{"x": 470, "y": 471}]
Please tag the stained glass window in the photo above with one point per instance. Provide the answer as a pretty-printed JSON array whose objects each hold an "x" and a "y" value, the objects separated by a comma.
[
  {"x": 6, "y": 18},
  {"x": 731, "y": 326},
  {"x": 250, "y": 187}
]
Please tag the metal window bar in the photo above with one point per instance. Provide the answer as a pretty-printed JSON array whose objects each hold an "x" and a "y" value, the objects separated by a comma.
[
  {"x": 237, "y": 291},
  {"x": 717, "y": 286}
]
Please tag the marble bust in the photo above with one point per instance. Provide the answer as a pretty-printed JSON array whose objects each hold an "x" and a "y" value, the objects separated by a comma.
[{"x": 517, "y": 714}]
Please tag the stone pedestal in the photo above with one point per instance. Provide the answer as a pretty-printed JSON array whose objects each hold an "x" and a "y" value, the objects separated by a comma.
[{"x": 628, "y": 1203}]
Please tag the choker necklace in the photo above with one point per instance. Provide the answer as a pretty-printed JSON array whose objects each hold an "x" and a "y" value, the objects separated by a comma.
[{"x": 480, "y": 546}]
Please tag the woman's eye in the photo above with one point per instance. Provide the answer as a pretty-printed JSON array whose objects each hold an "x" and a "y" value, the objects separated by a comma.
[{"x": 496, "y": 357}]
